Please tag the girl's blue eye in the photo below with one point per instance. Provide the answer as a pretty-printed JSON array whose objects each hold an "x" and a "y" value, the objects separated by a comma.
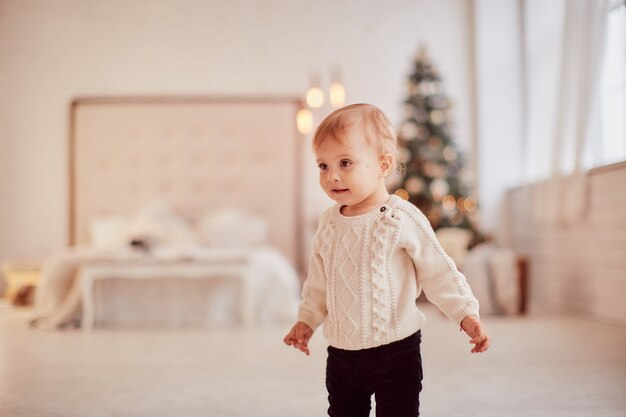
[
  {"x": 323, "y": 167},
  {"x": 345, "y": 163}
]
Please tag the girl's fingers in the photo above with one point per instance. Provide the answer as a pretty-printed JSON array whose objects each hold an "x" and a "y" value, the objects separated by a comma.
[
  {"x": 481, "y": 346},
  {"x": 289, "y": 339},
  {"x": 302, "y": 347}
]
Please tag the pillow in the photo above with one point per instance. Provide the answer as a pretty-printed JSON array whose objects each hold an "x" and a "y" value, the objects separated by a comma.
[
  {"x": 107, "y": 232},
  {"x": 157, "y": 223},
  {"x": 232, "y": 228}
]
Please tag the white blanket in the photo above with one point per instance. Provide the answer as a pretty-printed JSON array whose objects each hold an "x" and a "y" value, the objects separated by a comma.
[{"x": 493, "y": 274}]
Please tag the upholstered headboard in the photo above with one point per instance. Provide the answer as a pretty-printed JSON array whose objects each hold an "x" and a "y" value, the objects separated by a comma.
[{"x": 198, "y": 154}]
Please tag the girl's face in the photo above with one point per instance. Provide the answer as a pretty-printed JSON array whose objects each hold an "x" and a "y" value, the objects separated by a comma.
[{"x": 352, "y": 172}]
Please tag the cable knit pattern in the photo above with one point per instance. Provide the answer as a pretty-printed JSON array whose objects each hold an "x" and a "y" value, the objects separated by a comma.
[
  {"x": 367, "y": 272},
  {"x": 383, "y": 230},
  {"x": 346, "y": 299},
  {"x": 392, "y": 287},
  {"x": 363, "y": 284}
]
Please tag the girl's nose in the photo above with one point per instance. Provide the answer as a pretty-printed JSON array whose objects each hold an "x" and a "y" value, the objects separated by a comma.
[{"x": 332, "y": 176}]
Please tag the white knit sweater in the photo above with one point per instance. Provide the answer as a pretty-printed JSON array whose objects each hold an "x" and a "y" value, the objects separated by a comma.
[{"x": 367, "y": 271}]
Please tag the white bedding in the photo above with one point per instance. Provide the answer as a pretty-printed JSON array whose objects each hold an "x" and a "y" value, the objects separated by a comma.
[{"x": 273, "y": 283}]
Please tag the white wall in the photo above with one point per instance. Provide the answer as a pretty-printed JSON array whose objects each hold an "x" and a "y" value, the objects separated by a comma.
[{"x": 53, "y": 51}]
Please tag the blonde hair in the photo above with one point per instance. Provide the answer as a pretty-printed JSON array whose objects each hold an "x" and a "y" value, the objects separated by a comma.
[{"x": 376, "y": 127}]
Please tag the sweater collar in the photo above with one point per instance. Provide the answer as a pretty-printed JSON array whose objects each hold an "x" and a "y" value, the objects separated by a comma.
[{"x": 341, "y": 220}]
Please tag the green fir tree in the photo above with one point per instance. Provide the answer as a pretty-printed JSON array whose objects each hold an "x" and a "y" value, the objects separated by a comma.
[{"x": 436, "y": 179}]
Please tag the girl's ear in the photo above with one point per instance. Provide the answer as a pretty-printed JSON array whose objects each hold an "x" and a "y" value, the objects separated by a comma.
[{"x": 386, "y": 164}]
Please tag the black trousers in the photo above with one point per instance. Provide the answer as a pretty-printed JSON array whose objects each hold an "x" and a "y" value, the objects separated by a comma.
[{"x": 393, "y": 373}]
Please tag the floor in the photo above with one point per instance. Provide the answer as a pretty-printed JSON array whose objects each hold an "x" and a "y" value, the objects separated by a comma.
[{"x": 540, "y": 365}]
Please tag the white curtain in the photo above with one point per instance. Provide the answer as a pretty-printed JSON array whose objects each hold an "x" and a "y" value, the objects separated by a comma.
[{"x": 562, "y": 197}]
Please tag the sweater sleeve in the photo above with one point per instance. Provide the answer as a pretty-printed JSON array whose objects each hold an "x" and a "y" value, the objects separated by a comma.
[
  {"x": 312, "y": 310},
  {"x": 436, "y": 272}
]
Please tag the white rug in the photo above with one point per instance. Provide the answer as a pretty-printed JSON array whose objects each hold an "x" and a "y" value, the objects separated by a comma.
[{"x": 538, "y": 366}]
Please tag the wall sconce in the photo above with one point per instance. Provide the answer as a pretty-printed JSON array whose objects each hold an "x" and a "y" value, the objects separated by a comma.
[
  {"x": 304, "y": 121},
  {"x": 337, "y": 92},
  {"x": 315, "y": 95}
]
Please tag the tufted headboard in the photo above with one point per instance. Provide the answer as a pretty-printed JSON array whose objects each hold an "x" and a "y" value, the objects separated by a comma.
[{"x": 198, "y": 154}]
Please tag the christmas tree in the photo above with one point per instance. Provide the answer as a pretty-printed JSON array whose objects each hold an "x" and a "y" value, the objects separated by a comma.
[{"x": 436, "y": 179}]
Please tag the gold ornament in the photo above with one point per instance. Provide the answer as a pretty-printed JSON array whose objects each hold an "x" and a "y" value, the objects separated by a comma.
[
  {"x": 404, "y": 155},
  {"x": 449, "y": 154},
  {"x": 414, "y": 185},
  {"x": 437, "y": 117},
  {"x": 470, "y": 204},
  {"x": 409, "y": 131},
  {"x": 402, "y": 193}
]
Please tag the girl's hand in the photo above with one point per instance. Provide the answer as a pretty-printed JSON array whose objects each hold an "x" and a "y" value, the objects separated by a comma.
[
  {"x": 474, "y": 329},
  {"x": 299, "y": 337}
]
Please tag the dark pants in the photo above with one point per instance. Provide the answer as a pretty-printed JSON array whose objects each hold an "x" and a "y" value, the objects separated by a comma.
[{"x": 393, "y": 373}]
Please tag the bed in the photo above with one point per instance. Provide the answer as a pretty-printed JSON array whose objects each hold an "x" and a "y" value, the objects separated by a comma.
[{"x": 183, "y": 211}]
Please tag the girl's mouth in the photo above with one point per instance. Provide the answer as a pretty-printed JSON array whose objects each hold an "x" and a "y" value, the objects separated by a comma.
[{"x": 339, "y": 191}]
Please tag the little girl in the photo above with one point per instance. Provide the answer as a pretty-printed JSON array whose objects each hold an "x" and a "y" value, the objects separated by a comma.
[{"x": 372, "y": 255}]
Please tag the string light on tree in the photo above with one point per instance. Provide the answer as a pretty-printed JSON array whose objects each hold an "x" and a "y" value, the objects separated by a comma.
[{"x": 449, "y": 203}]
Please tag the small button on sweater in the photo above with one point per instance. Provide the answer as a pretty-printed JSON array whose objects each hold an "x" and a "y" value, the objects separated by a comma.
[{"x": 366, "y": 273}]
